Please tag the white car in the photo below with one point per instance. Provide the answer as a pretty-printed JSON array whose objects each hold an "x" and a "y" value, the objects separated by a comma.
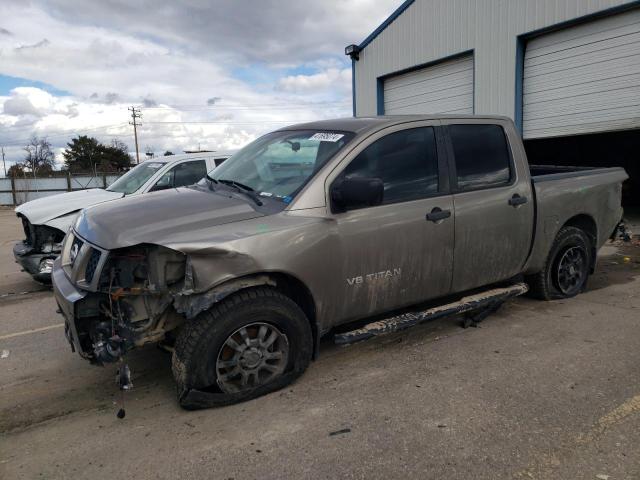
[{"x": 46, "y": 220}]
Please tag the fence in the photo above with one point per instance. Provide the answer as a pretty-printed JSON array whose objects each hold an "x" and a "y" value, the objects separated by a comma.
[{"x": 17, "y": 190}]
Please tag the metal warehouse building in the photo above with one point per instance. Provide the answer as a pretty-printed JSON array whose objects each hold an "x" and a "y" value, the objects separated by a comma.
[{"x": 566, "y": 71}]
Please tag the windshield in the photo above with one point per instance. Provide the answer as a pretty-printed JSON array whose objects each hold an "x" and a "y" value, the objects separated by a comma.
[
  {"x": 279, "y": 164},
  {"x": 135, "y": 178}
]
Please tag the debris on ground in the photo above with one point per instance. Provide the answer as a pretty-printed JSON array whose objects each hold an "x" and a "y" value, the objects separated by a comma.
[{"x": 4, "y": 354}]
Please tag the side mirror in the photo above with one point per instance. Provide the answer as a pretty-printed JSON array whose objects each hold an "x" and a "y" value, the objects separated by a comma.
[{"x": 356, "y": 192}]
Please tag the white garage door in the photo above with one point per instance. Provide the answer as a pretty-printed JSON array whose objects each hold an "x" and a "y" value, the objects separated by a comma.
[
  {"x": 443, "y": 88},
  {"x": 583, "y": 79}
]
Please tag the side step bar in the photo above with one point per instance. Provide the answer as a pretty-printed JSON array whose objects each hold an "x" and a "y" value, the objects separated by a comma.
[{"x": 488, "y": 299}]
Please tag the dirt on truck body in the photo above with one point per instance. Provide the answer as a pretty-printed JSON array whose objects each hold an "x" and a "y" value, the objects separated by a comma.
[{"x": 318, "y": 225}]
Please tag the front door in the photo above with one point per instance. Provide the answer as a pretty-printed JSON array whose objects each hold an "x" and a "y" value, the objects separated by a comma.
[{"x": 393, "y": 255}]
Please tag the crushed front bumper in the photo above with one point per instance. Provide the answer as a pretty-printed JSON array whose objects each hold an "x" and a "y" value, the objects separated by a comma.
[
  {"x": 67, "y": 298},
  {"x": 38, "y": 265}
]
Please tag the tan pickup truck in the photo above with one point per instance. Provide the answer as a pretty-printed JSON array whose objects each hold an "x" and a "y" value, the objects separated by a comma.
[{"x": 319, "y": 225}]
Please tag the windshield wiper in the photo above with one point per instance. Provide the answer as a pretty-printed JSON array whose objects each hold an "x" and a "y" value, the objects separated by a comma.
[{"x": 248, "y": 191}]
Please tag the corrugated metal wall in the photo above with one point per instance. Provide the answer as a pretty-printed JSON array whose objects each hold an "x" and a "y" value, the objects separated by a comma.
[
  {"x": 584, "y": 79},
  {"x": 446, "y": 87},
  {"x": 432, "y": 29}
]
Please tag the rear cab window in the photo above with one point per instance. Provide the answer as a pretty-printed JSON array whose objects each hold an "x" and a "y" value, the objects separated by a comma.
[{"x": 482, "y": 158}]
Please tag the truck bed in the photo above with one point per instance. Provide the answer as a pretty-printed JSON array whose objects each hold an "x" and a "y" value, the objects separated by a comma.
[
  {"x": 573, "y": 194},
  {"x": 551, "y": 172}
]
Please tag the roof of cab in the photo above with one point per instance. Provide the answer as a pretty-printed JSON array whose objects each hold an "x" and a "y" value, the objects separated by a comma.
[{"x": 361, "y": 124}]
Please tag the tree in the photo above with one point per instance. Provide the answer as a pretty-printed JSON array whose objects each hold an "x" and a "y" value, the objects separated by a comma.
[
  {"x": 15, "y": 170},
  {"x": 168, "y": 153},
  {"x": 39, "y": 157},
  {"x": 82, "y": 154},
  {"x": 115, "y": 156},
  {"x": 87, "y": 154}
]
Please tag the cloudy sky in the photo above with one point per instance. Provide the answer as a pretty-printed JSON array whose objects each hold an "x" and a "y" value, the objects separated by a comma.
[{"x": 209, "y": 74}]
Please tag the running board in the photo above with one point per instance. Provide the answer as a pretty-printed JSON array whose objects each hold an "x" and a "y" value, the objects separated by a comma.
[{"x": 487, "y": 299}]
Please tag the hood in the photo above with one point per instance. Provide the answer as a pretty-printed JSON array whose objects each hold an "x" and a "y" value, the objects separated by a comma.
[
  {"x": 161, "y": 218},
  {"x": 42, "y": 210}
]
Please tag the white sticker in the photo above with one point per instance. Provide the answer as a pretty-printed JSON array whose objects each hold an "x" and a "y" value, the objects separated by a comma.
[{"x": 326, "y": 137}]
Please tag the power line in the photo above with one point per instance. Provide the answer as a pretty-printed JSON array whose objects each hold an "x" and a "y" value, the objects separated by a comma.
[
  {"x": 70, "y": 132},
  {"x": 279, "y": 106},
  {"x": 228, "y": 123}
]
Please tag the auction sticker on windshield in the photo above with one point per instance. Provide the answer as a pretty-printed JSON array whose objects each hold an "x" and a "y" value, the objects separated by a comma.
[{"x": 326, "y": 136}]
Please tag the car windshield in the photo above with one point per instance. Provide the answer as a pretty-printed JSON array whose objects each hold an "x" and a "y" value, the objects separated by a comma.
[
  {"x": 280, "y": 163},
  {"x": 135, "y": 178}
]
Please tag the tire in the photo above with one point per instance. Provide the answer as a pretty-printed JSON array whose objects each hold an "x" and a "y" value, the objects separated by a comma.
[
  {"x": 572, "y": 246},
  {"x": 209, "y": 372}
]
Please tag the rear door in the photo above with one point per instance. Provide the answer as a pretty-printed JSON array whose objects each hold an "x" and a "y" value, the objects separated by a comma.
[
  {"x": 391, "y": 255},
  {"x": 493, "y": 204}
]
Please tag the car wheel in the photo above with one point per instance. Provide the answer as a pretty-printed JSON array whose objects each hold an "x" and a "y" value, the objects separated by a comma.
[
  {"x": 567, "y": 267},
  {"x": 251, "y": 343}
]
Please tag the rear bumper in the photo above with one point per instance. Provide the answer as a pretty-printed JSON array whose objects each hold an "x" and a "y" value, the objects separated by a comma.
[
  {"x": 67, "y": 298},
  {"x": 32, "y": 262}
]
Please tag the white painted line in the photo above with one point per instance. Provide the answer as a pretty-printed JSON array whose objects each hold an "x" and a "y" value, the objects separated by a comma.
[{"x": 28, "y": 332}]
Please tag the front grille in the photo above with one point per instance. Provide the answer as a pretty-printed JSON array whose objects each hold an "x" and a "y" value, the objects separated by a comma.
[
  {"x": 82, "y": 261},
  {"x": 74, "y": 253},
  {"x": 92, "y": 265}
]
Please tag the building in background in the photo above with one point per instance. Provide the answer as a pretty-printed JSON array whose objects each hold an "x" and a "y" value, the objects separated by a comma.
[{"x": 566, "y": 71}]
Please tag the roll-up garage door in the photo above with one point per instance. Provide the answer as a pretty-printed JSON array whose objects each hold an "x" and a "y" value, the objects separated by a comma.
[
  {"x": 583, "y": 79},
  {"x": 446, "y": 87}
]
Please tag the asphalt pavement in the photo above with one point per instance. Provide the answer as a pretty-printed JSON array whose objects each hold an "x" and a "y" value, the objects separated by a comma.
[{"x": 543, "y": 390}]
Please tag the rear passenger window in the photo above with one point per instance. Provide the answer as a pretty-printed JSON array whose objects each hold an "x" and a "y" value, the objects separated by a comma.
[
  {"x": 406, "y": 161},
  {"x": 481, "y": 156}
]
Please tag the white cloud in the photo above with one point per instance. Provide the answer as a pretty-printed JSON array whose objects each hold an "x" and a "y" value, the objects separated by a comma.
[
  {"x": 331, "y": 79},
  {"x": 179, "y": 63}
]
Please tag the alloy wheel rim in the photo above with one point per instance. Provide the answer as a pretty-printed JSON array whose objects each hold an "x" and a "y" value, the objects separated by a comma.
[
  {"x": 571, "y": 270},
  {"x": 251, "y": 356}
]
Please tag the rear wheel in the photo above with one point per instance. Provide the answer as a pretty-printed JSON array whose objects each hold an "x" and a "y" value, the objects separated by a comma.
[
  {"x": 253, "y": 342},
  {"x": 567, "y": 268}
]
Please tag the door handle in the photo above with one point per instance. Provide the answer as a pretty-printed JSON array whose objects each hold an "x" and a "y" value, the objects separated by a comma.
[
  {"x": 437, "y": 214},
  {"x": 517, "y": 200}
]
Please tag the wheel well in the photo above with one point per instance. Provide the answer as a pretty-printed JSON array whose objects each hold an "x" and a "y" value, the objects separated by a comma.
[
  {"x": 286, "y": 284},
  {"x": 588, "y": 225},
  {"x": 299, "y": 293}
]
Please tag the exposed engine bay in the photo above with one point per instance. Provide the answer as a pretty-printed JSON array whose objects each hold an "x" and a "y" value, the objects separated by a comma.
[
  {"x": 36, "y": 253},
  {"x": 130, "y": 296}
]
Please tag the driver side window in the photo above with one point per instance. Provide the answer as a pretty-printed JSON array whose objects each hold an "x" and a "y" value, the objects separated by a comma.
[{"x": 405, "y": 161}]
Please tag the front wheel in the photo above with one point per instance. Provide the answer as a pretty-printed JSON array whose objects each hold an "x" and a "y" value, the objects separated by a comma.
[
  {"x": 567, "y": 268},
  {"x": 253, "y": 342}
]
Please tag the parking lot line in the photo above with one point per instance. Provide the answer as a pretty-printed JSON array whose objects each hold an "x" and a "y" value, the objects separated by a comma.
[{"x": 34, "y": 330}]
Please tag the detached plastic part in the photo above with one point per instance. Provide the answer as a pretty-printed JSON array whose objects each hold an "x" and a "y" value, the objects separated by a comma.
[{"x": 123, "y": 380}]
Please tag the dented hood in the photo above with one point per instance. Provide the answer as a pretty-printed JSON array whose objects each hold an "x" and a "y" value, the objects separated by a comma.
[
  {"x": 42, "y": 210},
  {"x": 161, "y": 218}
]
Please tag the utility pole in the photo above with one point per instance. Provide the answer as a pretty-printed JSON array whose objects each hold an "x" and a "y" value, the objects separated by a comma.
[
  {"x": 4, "y": 165},
  {"x": 135, "y": 114}
]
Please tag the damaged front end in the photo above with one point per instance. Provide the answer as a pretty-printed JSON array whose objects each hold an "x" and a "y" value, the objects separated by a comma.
[
  {"x": 36, "y": 253},
  {"x": 114, "y": 301}
]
